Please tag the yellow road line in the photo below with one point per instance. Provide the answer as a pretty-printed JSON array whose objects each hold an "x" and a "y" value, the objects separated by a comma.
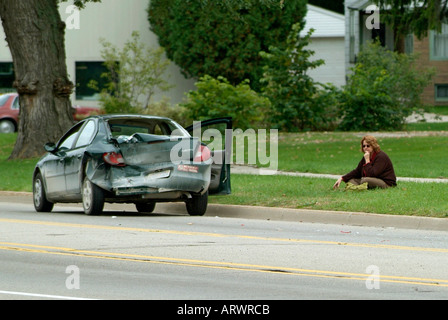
[
  {"x": 219, "y": 235},
  {"x": 217, "y": 264}
]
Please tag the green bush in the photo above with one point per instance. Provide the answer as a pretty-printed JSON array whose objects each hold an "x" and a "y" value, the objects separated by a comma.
[
  {"x": 164, "y": 108},
  {"x": 216, "y": 98},
  {"x": 382, "y": 90}
]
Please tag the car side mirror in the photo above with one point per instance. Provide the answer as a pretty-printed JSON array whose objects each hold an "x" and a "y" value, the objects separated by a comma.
[{"x": 50, "y": 147}]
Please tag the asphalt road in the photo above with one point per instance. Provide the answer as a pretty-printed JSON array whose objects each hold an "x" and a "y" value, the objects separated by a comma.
[{"x": 125, "y": 255}]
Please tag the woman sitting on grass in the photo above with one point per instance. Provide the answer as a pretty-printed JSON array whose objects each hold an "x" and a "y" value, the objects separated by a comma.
[{"x": 375, "y": 169}]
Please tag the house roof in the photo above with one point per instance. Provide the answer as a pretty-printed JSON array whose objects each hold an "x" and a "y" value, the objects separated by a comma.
[
  {"x": 325, "y": 23},
  {"x": 357, "y": 4}
]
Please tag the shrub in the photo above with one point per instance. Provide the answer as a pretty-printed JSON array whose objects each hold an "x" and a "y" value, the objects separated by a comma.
[
  {"x": 216, "y": 98},
  {"x": 383, "y": 89},
  {"x": 164, "y": 108}
]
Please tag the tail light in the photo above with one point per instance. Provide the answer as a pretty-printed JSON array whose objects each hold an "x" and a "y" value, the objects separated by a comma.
[
  {"x": 203, "y": 154},
  {"x": 114, "y": 159}
]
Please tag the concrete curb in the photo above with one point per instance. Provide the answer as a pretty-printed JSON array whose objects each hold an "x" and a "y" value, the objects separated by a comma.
[
  {"x": 329, "y": 217},
  {"x": 280, "y": 214}
]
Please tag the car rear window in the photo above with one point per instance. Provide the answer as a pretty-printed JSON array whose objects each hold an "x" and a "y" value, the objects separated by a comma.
[
  {"x": 127, "y": 127},
  {"x": 3, "y": 99}
]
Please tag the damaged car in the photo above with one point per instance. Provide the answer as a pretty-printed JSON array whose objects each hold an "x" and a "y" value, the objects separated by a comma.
[{"x": 132, "y": 159}]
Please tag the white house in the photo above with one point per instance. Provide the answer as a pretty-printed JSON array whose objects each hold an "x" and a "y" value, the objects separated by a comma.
[
  {"x": 328, "y": 43},
  {"x": 115, "y": 20}
]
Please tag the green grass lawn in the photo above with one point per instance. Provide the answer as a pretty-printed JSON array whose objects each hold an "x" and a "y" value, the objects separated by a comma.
[
  {"x": 334, "y": 153},
  {"x": 421, "y": 199},
  {"x": 338, "y": 153}
]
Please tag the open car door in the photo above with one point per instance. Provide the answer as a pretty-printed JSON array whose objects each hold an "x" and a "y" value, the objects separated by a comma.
[{"x": 217, "y": 135}]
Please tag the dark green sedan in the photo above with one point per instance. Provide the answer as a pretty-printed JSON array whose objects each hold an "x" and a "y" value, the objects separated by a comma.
[{"x": 132, "y": 159}]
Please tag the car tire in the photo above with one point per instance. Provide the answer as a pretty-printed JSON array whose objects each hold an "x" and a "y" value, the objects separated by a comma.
[
  {"x": 41, "y": 204},
  {"x": 7, "y": 126},
  {"x": 92, "y": 198},
  {"x": 197, "y": 205},
  {"x": 147, "y": 207}
]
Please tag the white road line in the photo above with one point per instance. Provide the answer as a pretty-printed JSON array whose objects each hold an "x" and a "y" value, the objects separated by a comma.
[{"x": 42, "y": 295}]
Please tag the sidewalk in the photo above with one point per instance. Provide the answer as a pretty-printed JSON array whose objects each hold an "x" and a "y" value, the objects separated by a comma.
[
  {"x": 427, "y": 117},
  {"x": 239, "y": 169}
]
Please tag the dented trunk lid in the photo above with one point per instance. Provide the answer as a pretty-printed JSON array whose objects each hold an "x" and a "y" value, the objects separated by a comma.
[{"x": 146, "y": 149}]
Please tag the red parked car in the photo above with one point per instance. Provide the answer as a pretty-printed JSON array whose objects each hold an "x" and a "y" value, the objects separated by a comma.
[{"x": 9, "y": 112}]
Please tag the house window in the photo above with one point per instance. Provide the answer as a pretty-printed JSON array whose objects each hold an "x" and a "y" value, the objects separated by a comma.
[
  {"x": 6, "y": 77},
  {"x": 441, "y": 91},
  {"x": 439, "y": 44},
  {"x": 409, "y": 44},
  {"x": 86, "y": 71}
]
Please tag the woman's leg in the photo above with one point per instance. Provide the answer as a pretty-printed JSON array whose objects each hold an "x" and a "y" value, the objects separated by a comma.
[
  {"x": 355, "y": 182},
  {"x": 374, "y": 182}
]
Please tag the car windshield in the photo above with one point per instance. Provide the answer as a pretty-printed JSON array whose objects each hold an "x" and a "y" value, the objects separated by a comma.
[{"x": 155, "y": 126}]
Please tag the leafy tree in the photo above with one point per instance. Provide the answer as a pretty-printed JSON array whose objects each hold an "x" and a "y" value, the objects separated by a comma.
[
  {"x": 35, "y": 36},
  {"x": 297, "y": 100},
  {"x": 133, "y": 76},
  {"x": 412, "y": 16},
  {"x": 223, "y": 38},
  {"x": 383, "y": 89}
]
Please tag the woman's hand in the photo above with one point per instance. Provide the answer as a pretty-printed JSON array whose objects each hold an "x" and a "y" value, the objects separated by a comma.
[
  {"x": 338, "y": 183},
  {"x": 367, "y": 157}
]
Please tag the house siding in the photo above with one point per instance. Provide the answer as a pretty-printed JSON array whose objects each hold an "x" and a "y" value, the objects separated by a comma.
[
  {"x": 331, "y": 50},
  {"x": 327, "y": 42}
]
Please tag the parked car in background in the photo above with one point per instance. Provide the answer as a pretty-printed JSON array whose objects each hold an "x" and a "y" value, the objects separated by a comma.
[
  {"x": 81, "y": 112},
  {"x": 9, "y": 112},
  {"x": 131, "y": 159}
]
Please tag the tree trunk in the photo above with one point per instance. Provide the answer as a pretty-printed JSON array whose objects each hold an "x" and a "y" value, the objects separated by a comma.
[
  {"x": 35, "y": 35},
  {"x": 399, "y": 42}
]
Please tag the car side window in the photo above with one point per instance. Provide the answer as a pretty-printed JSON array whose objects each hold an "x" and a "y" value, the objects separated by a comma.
[
  {"x": 15, "y": 104},
  {"x": 67, "y": 141},
  {"x": 86, "y": 134}
]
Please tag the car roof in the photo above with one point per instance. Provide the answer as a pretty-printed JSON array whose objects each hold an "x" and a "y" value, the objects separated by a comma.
[{"x": 123, "y": 116}]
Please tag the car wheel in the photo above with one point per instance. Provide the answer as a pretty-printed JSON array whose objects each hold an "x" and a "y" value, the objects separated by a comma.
[
  {"x": 92, "y": 198},
  {"x": 145, "y": 207},
  {"x": 197, "y": 205},
  {"x": 7, "y": 126},
  {"x": 41, "y": 204}
]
